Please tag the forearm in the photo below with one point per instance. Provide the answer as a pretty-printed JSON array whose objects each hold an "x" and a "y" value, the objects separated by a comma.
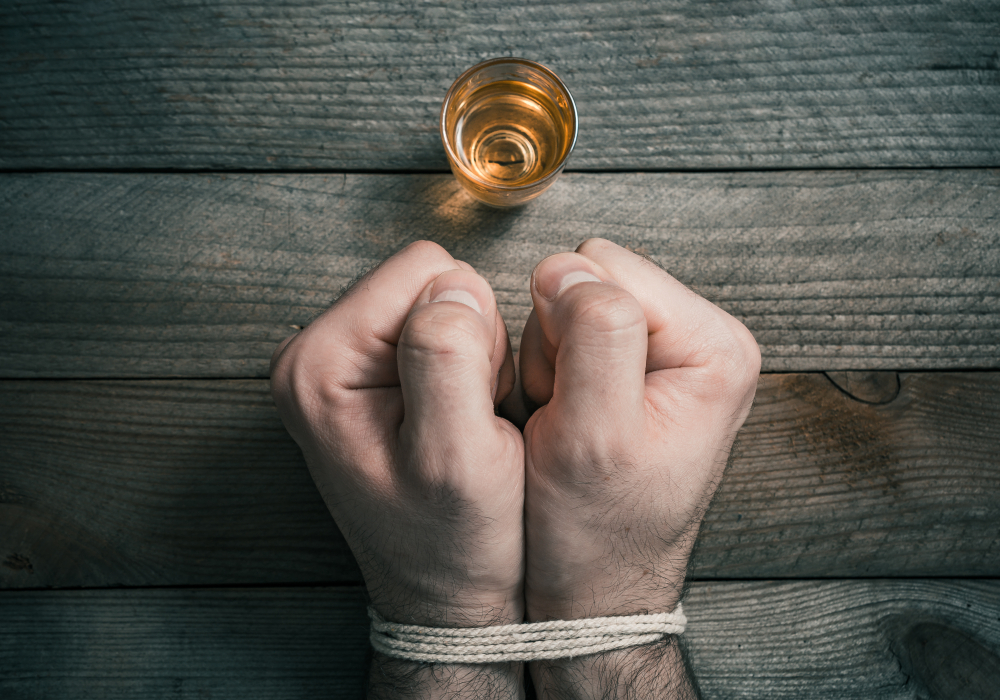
[
  {"x": 655, "y": 671},
  {"x": 398, "y": 679}
]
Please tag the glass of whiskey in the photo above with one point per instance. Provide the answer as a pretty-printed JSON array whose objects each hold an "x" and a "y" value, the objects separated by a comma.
[{"x": 508, "y": 125}]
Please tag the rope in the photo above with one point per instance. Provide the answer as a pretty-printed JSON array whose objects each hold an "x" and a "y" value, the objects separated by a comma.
[{"x": 531, "y": 641}]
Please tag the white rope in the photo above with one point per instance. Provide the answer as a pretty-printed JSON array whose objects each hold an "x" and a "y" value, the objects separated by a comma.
[{"x": 531, "y": 641}]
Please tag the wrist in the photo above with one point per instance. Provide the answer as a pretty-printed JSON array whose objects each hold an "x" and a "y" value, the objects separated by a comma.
[
  {"x": 649, "y": 671},
  {"x": 612, "y": 565},
  {"x": 397, "y": 678},
  {"x": 641, "y": 594},
  {"x": 445, "y": 596},
  {"x": 391, "y": 678}
]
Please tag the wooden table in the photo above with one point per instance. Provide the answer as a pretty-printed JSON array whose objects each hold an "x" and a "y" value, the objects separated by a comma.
[{"x": 185, "y": 182}]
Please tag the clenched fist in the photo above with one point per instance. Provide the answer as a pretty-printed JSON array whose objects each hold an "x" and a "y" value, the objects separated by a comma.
[
  {"x": 390, "y": 394},
  {"x": 455, "y": 519},
  {"x": 642, "y": 387}
]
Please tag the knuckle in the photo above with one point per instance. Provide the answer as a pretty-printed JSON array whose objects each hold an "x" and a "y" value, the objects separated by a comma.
[
  {"x": 748, "y": 349},
  {"x": 281, "y": 371},
  {"x": 441, "y": 332},
  {"x": 427, "y": 249},
  {"x": 733, "y": 372},
  {"x": 297, "y": 384},
  {"x": 289, "y": 385},
  {"x": 311, "y": 385},
  {"x": 609, "y": 310}
]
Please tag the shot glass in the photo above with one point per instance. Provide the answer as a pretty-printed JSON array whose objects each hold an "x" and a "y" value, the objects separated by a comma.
[{"x": 508, "y": 125}]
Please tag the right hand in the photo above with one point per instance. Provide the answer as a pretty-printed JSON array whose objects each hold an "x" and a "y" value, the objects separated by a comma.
[{"x": 643, "y": 386}]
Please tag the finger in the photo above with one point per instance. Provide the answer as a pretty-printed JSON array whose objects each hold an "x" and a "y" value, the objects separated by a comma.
[
  {"x": 357, "y": 336},
  {"x": 503, "y": 353},
  {"x": 685, "y": 330},
  {"x": 537, "y": 358},
  {"x": 445, "y": 356},
  {"x": 599, "y": 332},
  {"x": 514, "y": 407}
]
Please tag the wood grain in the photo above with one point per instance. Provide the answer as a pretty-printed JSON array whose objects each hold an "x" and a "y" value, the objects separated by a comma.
[
  {"x": 870, "y": 387},
  {"x": 823, "y": 640},
  {"x": 672, "y": 84},
  {"x": 157, "y": 483},
  {"x": 825, "y": 485},
  {"x": 839, "y": 639},
  {"x": 202, "y": 275},
  {"x": 160, "y": 483}
]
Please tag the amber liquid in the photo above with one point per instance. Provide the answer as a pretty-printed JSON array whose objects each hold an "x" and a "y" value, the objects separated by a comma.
[{"x": 511, "y": 133}]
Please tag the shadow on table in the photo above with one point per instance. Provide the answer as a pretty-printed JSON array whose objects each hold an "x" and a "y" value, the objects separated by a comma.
[{"x": 435, "y": 207}]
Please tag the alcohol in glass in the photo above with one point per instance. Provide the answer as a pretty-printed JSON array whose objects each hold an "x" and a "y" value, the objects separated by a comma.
[{"x": 508, "y": 126}]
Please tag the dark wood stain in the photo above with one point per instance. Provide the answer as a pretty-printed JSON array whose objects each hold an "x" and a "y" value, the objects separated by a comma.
[{"x": 944, "y": 663}]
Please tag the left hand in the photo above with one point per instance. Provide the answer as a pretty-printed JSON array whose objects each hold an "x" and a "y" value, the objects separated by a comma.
[{"x": 390, "y": 394}]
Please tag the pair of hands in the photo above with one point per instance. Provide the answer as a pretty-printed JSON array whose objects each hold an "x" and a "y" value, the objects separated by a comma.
[{"x": 455, "y": 516}]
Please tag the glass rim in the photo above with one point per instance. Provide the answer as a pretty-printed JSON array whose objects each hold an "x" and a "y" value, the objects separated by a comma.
[{"x": 453, "y": 156}]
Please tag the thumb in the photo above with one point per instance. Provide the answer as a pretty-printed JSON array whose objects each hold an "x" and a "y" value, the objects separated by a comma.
[
  {"x": 598, "y": 331},
  {"x": 448, "y": 359}
]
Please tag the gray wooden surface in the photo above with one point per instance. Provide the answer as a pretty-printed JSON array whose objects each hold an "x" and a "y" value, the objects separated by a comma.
[
  {"x": 338, "y": 85},
  {"x": 159, "y": 483},
  {"x": 142, "y": 460},
  {"x": 891, "y": 639},
  {"x": 132, "y": 275}
]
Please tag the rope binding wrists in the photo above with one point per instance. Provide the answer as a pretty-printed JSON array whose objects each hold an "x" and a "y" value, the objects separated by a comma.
[{"x": 529, "y": 641}]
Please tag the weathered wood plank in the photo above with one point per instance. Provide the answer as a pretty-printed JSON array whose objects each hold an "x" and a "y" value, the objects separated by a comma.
[
  {"x": 200, "y": 275},
  {"x": 823, "y": 484},
  {"x": 822, "y": 640},
  {"x": 671, "y": 84},
  {"x": 246, "y": 643},
  {"x": 160, "y": 483},
  {"x": 845, "y": 639},
  {"x": 197, "y": 483}
]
